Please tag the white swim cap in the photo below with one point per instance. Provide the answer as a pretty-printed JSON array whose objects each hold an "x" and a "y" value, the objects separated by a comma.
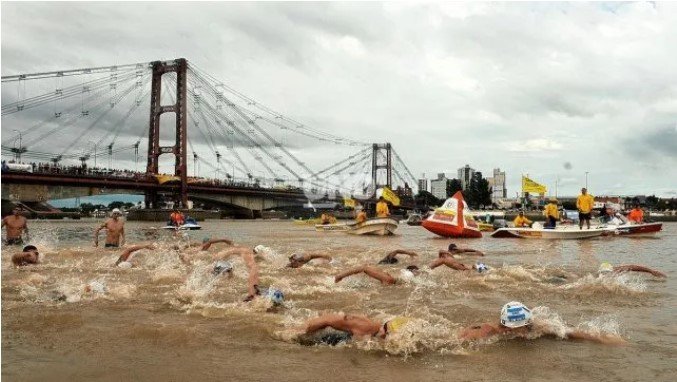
[
  {"x": 96, "y": 287},
  {"x": 406, "y": 274},
  {"x": 116, "y": 211},
  {"x": 481, "y": 267},
  {"x": 125, "y": 265},
  {"x": 605, "y": 268},
  {"x": 222, "y": 266},
  {"x": 259, "y": 248},
  {"x": 514, "y": 315}
]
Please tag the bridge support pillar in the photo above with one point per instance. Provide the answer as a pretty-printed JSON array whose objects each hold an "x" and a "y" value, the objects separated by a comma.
[
  {"x": 381, "y": 161},
  {"x": 178, "y": 66}
]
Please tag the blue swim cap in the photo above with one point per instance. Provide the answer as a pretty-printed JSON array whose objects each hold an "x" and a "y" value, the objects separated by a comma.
[{"x": 276, "y": 296}]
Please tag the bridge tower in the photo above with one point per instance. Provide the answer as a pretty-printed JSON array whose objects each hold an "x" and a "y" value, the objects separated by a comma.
[
  {"x": 381, "y": 161},
  {"x": 179, "y": 66}
]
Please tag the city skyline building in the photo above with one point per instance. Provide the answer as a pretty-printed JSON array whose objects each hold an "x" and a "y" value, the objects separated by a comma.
[
  {"x": 465, "y": 175},
  {"x": 438, "y": 187}
]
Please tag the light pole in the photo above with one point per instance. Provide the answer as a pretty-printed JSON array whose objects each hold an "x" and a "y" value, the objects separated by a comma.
[
  {"x": 17, "y": 152},
  {"x": 94, "y": 143},
  {"x": 586, "y": 180}
]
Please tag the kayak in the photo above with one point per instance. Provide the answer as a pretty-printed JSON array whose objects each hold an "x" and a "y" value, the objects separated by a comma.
[
  {"x": 571, "y": 233},
  {"x": 453, "y": 219}
]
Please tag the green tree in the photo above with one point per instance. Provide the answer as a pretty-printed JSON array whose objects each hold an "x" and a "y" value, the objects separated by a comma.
[
  {"x": 453, "y": 186},
  {"x": 116, "y": 204},
  {"x": 426, "y": 199}
]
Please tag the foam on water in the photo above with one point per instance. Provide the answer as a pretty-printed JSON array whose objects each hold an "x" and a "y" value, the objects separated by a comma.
[{"x": 603, "y": 284}]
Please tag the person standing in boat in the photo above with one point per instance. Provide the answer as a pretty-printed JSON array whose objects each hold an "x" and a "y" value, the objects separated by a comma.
[
  {"x": 584, "y": 203},
  {"x": 551, "y": 214},
  {"x": 382, "y": 210}
]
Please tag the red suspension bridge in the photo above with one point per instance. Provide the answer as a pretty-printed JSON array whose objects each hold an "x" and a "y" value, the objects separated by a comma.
[{"x": 59, "y": 126}]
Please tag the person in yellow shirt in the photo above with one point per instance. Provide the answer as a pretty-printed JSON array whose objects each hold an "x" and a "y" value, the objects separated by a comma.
[
  {"x": 361, "y": 217},
  {"x": 584, "y": 203},
  {"x": 382, "y": 210},
  {"x": 551, "y": 214},
  {"x": 522, "y": 221}
]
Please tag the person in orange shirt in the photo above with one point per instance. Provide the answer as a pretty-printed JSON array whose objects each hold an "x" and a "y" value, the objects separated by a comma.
[
  {"x": 636, "y": 215},
  {"x": 177, "y": 218},
  {"x": 361, "y": 217},
  {"x": 584, "y": 203}
]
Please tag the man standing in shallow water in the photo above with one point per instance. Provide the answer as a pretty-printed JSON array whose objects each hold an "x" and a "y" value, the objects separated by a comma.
[
  {"x": 16, "y": 226},
  {"x": 115, "y": 230}
]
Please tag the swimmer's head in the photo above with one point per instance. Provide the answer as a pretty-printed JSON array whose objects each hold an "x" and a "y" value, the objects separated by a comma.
[
  {"x": 259, "y": 249},
  {"x": 515, "y": 315},
  {"x": 452, "y": 247},
  {"x": 276, "y": 296},
  {"x": 115, "y": 212},
  {"x": 605, "y": 268},
  {"x": 222, "y": 267},
  {"x": 481, "y": 267},
  {"x": 31, "y": 248},
  {"x": 295, "y": 257},
  {"x": 394, "y": 325},
  {"x": 413, "y": 269},
  {"x": 206, "y": 239}
]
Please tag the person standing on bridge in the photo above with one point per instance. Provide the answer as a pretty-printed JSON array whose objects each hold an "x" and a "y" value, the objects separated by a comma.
[
  {"x": 382, "y": 210},
  {"x": 115, "y": 231},
  {"x": 16, "y": 226}
]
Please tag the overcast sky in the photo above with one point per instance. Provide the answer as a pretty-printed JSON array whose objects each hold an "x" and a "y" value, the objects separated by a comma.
[{"x": 548, "y": 89}]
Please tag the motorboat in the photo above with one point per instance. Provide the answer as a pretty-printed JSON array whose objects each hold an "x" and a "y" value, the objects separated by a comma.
[
  {"x": 453, "y": 219},
  {"x": 561, "y": 233},
  {"x": 635, "y": 230},
  {"x": 373, "y": 226},
  {"x": 189, "y": 224}
]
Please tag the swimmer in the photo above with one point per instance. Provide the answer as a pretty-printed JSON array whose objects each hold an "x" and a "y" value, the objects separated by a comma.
[
  {"x": 17, "y": 225},
  {"x": 348, "y": 326},
  {"x": 453, "y": 249},
  {"x": 129, "y": 251},
  {"x": 28, "y": 256},
  {"x": 375, "y": 273},
  {"x": 516, "y": 322},
  {"x": 606, "y": 268},
  {"x": 221, "y": 267},
  {"x": 297, "y": 260},
  {"x": 391, "y": 257},
  {"x": 207, "y": 242},
  {"x": 115, "y": 231}
]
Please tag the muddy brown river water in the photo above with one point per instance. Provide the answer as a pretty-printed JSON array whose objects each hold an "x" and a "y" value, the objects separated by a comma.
[{"x": 166, "y": 321}]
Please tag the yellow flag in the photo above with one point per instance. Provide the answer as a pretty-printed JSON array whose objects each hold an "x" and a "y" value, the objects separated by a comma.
[
  {"x": 348, "y": 202},
  {"x": 390, "y": 196},
  {"x": 162, "y": 179},
  {"x": 529, "y": 185}
]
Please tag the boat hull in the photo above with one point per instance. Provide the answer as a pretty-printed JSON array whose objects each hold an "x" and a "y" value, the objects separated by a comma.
[
  {"x": 185, "y": 227},
  {"x": 636, "y": 230},
  {"x": 450, "y": 230},
  {"x": 548, "y": 234},
  {"x": 379, "y": 226},
  {"x": 332, "y": 227}
]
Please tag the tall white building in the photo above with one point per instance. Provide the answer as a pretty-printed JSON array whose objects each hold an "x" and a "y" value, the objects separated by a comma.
[
  {"x": 465, "y": 174},
  {"x": 497, "y": 183},
  {"x": 438, "y": 187},
  {"x": 423, "y": 184}
]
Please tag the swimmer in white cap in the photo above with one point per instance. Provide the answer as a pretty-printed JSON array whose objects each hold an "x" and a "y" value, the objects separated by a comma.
[
  {"x": 606, "y": 268},
  {"x": 384, "y": 277},
  {"x": 516, "y": 322}
]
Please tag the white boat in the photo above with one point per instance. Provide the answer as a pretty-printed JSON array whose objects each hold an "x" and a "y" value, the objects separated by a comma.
[
  {"x": 374, "y": 226},
  {"x": 561, "y": 233},
  {"x": 337, "y": 227}
]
